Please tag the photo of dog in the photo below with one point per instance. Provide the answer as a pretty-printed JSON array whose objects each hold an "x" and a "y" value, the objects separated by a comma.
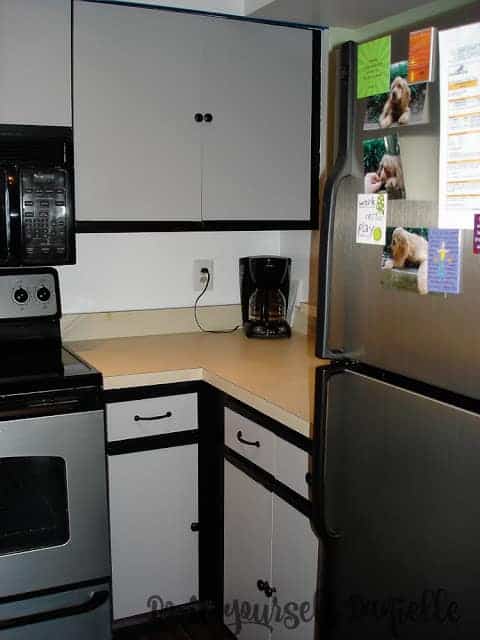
[
  {"x": 405, "y": 259},
  {"x": 403, "y": 105},
  {"x": 397, "y": 107},
  {"x": 383, "y": 169}
]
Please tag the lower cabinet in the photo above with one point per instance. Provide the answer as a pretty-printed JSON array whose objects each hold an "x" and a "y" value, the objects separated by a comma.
[
  {"x": 270, "y": 565},
  {"x": 153, "y": 503}
]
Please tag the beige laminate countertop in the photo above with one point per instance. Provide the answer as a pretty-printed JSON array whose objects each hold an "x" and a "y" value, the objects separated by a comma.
[{"x": 276, "y": 377}]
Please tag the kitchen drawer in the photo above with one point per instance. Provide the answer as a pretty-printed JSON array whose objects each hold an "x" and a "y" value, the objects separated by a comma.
[
  {"x": 292, "y": 466},
  {"x": 236, "y": 427},
  {"x": 169, "y": 413}
]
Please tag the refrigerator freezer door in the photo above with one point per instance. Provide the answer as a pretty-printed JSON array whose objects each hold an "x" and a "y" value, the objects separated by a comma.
[{"x": 400, "y": 511}]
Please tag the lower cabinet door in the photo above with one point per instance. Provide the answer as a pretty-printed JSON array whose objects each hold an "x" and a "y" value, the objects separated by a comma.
[
  {"x": 294, "y": 573},
  {"x": 247, "y": 564},
  {"x": 153, "y": 502}
]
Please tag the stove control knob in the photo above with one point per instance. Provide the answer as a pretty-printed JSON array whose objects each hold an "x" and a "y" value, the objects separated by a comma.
[
  {"x": 20, "y": 295},
  {"x": 43, "y": 294}
]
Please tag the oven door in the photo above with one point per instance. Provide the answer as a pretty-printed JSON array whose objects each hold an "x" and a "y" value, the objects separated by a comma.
[{"x": 53, "y": 505}]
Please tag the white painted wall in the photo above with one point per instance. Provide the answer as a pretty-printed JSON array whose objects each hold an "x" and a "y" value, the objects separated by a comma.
[
  {"x": 296, "y": 245},
  {"x": 121, "y": 272}
]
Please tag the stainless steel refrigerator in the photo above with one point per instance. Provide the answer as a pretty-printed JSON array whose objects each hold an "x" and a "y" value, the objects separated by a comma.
[{"x": 396, "y": 465}]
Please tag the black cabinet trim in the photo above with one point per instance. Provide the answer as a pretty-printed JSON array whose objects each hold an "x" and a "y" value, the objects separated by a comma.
[
  {"x": 270, "y": 483},
  {"x": 151, "y": 226},
  {"x": 290, "y": 435},
  {"x": 316, "y": 128},
  {"x": 127, "y": 394},
  {"x": 152, "y": 443},
  {"x": 211, "y": 497}
]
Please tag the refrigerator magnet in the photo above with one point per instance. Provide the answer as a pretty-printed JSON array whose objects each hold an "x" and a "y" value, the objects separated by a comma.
[
  {"x": 371, "y": 218},
  {"x": 476, "y": 233},
  {"x": 404, "y": 260},
  {"x": 444, "y": 261},
  {"x": 373, "y": 67}
]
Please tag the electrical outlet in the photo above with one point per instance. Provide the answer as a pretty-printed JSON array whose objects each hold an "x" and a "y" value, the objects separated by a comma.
[{"x": 199, "y": 278}]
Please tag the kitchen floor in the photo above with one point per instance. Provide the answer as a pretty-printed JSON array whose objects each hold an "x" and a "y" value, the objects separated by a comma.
[{"x": 198, "y": 628}]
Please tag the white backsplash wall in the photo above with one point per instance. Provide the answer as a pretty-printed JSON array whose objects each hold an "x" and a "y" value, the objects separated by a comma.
[
  {"x": 296, "y": 245},
  {"x": 123, "y": 272}
]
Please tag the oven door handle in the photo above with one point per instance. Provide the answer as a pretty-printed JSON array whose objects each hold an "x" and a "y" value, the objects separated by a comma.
[{"x": 96, "y": 600}]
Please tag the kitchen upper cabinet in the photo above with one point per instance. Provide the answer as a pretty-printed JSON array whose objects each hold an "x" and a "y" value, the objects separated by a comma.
[
  {"x": 270, "y": 563},
  {"x": 258, "y": 87},
  {"x": 153, "y": 503},
  {"x": 136, "y": 91},
  {"x": 35, "y": 75},
  {"x": 190, "y": 118}
]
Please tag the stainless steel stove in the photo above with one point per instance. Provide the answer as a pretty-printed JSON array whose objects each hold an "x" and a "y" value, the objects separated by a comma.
[{"x": 54, "y": 549}]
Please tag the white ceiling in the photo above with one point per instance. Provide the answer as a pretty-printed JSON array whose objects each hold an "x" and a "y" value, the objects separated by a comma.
[
  {"x": 235, "y": 7},
  {"x": 338, "y": 13}
]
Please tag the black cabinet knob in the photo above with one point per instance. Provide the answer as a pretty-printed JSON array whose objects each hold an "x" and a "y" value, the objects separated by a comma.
[
  {"x": 198, "y": 117},
  {"x": 20, "y": 295},
  {"x": 195, "y": 527},
  {"x": 208, "y": 117},
  {"x": 43, "y": 294},
  {"x": 266, "y": 588}
]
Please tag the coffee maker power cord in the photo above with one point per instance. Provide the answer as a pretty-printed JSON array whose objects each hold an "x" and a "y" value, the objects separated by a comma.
[{"x": 197, "y": 322}]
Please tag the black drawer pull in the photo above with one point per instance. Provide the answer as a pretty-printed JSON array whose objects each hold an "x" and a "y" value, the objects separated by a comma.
[
  {"x": 252, "y": 444},
  {"x": 150, "y": 418},
  {"x": 308, "y": 479},
  {"x": 195, "y": 526}
]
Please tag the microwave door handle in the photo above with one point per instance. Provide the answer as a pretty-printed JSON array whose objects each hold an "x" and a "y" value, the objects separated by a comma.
[
  {"x": 342, "y": 169},
  {"x": 12, "y": 216},
  {"x": 96, "y": 600},
  {"x": 4, "y": 220}
]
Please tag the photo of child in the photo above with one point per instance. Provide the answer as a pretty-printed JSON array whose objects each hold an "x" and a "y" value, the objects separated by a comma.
[
  {"x": 382, "y": 167},
  {"x": 404, "y": 104}
]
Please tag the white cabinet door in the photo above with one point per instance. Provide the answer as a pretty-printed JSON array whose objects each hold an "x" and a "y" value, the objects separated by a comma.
[
  {"x": 35, "y": 62},
  {"x": 294, "y": 572},
  {"x": 136, "y": 91},
  {"x": 257, "y": 156},
  {"x": 153, "y": 502},
  {"x": 247, "y": 536}
]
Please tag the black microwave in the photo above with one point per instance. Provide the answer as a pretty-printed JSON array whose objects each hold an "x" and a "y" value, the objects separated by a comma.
[{"x": 37, "y": 222}]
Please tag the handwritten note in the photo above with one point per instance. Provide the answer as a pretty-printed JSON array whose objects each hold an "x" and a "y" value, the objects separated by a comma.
[{"x": 371, "y": 218}]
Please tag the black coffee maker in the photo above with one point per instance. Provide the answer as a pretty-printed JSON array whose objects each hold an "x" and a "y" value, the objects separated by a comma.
[{"x": 264, "y": 290}]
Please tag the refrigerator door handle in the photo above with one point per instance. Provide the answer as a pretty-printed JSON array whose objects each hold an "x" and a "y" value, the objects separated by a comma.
[
  {"x": 341, "y": 170},
  {"x": 319, "y": 454}
]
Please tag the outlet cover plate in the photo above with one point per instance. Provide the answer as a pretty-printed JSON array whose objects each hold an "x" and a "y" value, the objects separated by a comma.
[{"x": 199, "y": 279}]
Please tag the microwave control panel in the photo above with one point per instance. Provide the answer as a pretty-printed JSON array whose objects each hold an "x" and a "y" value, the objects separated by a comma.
[{"x": 46, "y": 215}]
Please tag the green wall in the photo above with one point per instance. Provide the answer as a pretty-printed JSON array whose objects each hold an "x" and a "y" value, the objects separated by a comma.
[{"x": 338, "y": 35}]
